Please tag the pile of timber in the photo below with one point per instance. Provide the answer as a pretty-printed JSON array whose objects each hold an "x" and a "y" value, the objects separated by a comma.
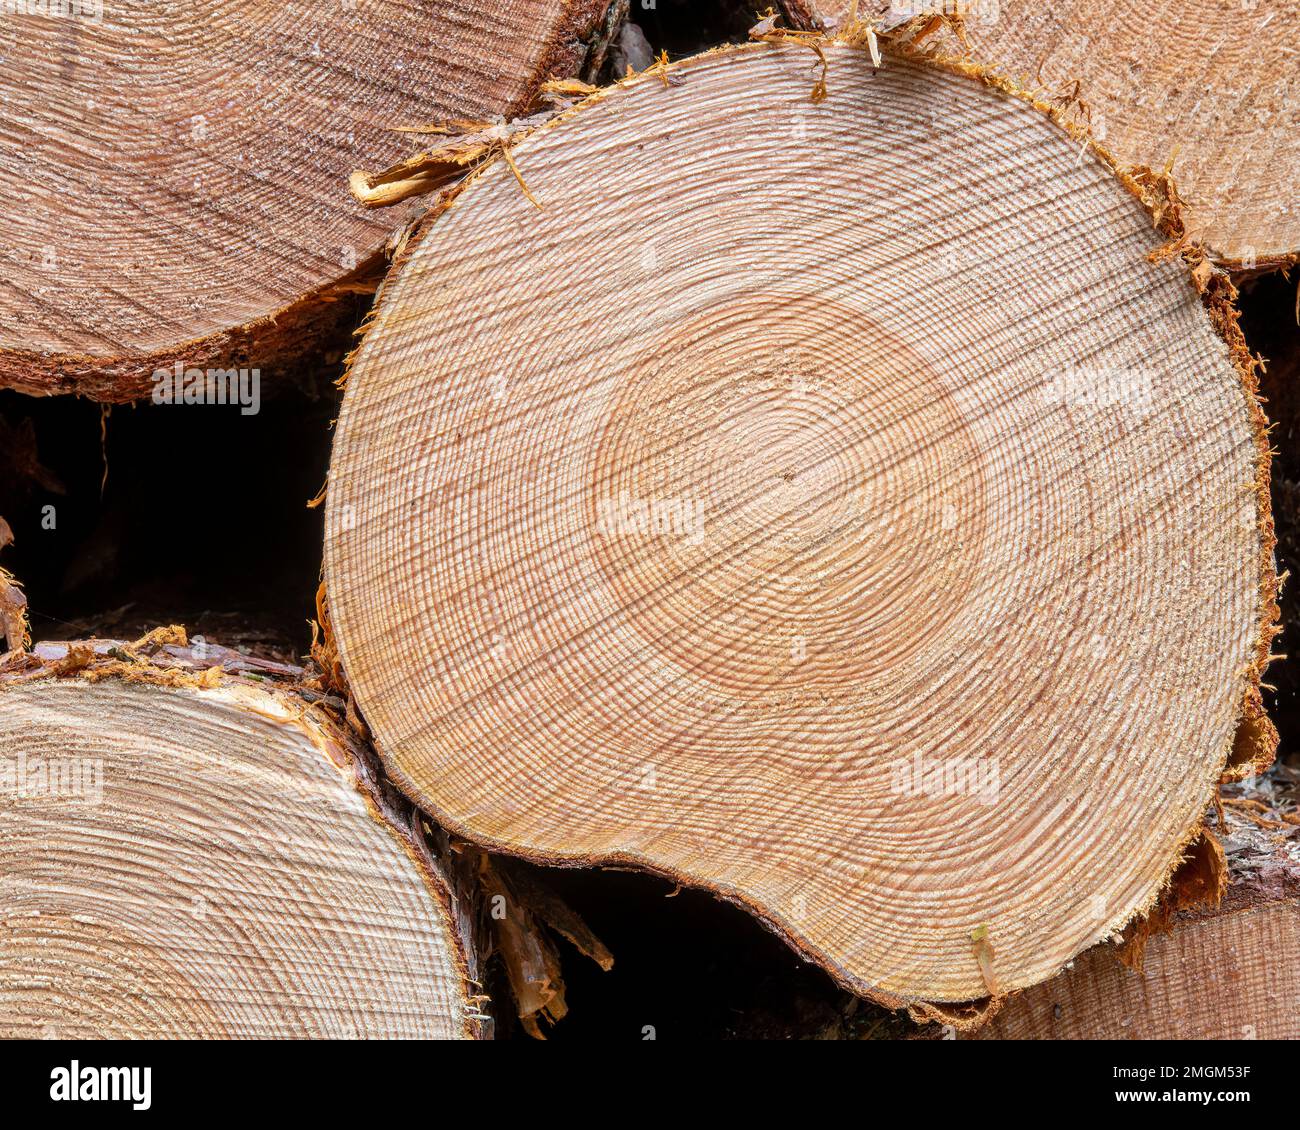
[
  {"x": 828, "y": 546},
  {"x": 818, "y": 471}
]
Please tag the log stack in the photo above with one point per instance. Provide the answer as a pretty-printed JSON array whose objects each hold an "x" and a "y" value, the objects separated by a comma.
[
  {"x": 829, "y": 472},
  {"x": 638, "y": 553}
]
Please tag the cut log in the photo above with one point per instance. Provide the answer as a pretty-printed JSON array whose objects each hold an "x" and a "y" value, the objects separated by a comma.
[
  {"x": 804, "y": 506},
  {"x": 176, "y": 173},
  {"x": 188, "y": 853},
  {"x": 1210, "y": 90},
  {"x": 1228, "y": 974}
]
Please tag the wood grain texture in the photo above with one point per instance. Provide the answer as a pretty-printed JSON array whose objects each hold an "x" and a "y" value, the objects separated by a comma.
[
  {"x": 1227, "y": 973},
  {"x": 204, "y": 864},
  {"x": 176, "y": 173},
  {"x": 1228, "y": 976},
  {"x": 808, "y": 508},
  {"x": 1212, "y": 86}
]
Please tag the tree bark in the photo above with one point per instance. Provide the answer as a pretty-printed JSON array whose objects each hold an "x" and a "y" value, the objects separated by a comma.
[
  {"x": 869, "y": 528},
  {"x": 13, "y": 602},
  {"x": 177, "y": 178},
  {"x": 195, "y": 846}
]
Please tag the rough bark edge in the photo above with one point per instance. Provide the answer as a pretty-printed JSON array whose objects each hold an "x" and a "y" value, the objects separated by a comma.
[
  {"x": 1157, "y": 194},
  {"x": 1237, "y": 904},
  {"x": 317, "y": 320},
  {"x": 15, "y": 627},
  {"x": 163, "y": 659},
  {"x": 1256, "y": 742},
  {"x": 913, "y": 29},
  {"x": 275, "y": 342},
  {"x": 800, "y": 15},
  {"x": 1243, "y": 891},
  {"x": 532, "y": 963},
  {"x": 566, "y": 51},
  {"x": 960, "y": 1017},
  {"x": 1196, "y": 877}
]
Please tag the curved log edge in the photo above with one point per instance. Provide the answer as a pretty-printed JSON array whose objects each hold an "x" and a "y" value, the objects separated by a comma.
[
  {"x": 84, "y": 345},
  {"x": 1223, "y": 972},
  {"x": 281, "y": 695},
  {"x": 1129, "y": 81},
  {"x": 497, "y": 909},
  {"x": 1255, "y": 741}
]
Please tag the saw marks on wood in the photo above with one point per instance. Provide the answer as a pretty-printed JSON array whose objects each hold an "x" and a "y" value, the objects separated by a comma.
[
  {"x": 809, "y": 508},
  {"x": 179, "y": 863},
  {"x": 177, "y": 172}
]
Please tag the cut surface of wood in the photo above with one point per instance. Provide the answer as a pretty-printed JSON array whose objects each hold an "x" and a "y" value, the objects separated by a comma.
[
  {"x": 805, "y": 507},
  {"x": 1229, "y": 973},
  {"x": 1210, "y": 89},
  {"x": 209, "y": 862},
  {"x": 176, "y": 173},
  {"x": 1227, "y": 976}
]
